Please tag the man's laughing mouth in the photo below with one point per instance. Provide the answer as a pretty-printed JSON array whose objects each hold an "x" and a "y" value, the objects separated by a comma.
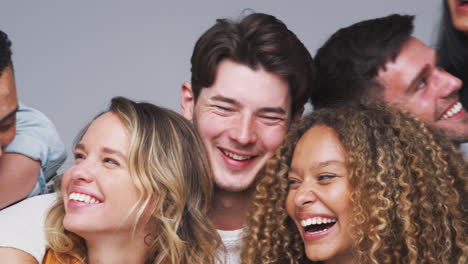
[
  {"x": 452, "y": 111},
  {"x": 235, "y": 156}
]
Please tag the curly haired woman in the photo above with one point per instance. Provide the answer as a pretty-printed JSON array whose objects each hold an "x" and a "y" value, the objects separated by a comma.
[
  {"x": 361, "y": 184},
  {"x": 138, "y": 192}
]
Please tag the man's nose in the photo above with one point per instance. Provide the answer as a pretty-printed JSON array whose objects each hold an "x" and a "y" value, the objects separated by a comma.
[
  {"x": 244, "y": 131},
  {"x": 447, "y": 83}
]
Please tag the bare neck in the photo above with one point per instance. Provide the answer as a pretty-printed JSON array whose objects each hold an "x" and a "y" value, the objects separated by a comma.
[
  {"x": 115, "y": 248},
  {"x": 342, "y": 259},
  {"x": 229, "y": 209}
]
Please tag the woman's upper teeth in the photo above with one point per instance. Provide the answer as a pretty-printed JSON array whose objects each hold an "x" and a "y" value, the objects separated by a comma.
[
  {"x": 317, "y": 221},
  {"x": 83, "y": 198}
]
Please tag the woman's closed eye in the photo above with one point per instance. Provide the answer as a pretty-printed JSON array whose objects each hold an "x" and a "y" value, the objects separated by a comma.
[
  {"x": 326, "y": 178},
  {"x": 111, "y": 161},
  {"x": 293, "y": 183},
  {"x": 79, "y": 156}
]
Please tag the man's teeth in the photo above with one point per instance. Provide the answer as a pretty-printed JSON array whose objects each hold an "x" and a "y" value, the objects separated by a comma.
[
  {"x": 455, "y": 109},
  {"x": 83, "y": 198},
  {"x": 235, "y": 156},
  {"x": 317, "y": 221}
]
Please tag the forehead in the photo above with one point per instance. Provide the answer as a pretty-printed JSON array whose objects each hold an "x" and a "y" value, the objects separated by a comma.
[
  {"x": 257, "y": 88},
  {"x": 319, "y": 144},
  {"x": 413, "y": 58},
  {"x": 106, "y": 131},
  {"x": 8, "y": 98}
]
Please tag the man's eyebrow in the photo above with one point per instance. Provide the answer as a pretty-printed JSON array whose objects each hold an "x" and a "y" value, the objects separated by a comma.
[
  {"x": 225, "y": 99},
  {"x": 9, "y": 115}
]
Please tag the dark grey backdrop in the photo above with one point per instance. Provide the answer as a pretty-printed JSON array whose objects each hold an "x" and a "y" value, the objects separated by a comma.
[{"x": 71, "y": 57}]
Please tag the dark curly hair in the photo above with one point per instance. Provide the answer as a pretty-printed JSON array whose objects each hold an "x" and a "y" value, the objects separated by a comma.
[
  {"x": 409, "y": 191},
  {"x": 5, "y": 52}
]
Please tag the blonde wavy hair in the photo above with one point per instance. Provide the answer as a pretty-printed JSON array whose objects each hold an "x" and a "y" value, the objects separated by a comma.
[
  {"x": 169, "y": 166},
  {"x": 409, "y": 192}
]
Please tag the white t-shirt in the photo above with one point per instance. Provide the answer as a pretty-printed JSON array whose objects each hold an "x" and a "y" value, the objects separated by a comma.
[
  {"x": 464, "y": 149},
  {"x": 232, "y": 241},
  {"x": 22, "y": 225}
]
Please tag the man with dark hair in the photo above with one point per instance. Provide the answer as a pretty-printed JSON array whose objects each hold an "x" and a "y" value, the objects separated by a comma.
[
  {"x": 8, "y": 98},
  {"x": 250, "y": 80},
  {"x": 30, "y": 149},
  {"x": 379, "y": 59}
]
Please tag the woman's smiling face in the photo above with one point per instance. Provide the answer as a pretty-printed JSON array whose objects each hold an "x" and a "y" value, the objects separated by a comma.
[
  {"x": 459, "y": 14},
  {"x": 318, "y": 199},
  {"x": 98, "y": 191}
]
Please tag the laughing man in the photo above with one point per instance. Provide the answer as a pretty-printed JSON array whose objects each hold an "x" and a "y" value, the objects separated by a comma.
[
  {"x": 379, "y": 59},
  {"x": 250, "y": 80}
]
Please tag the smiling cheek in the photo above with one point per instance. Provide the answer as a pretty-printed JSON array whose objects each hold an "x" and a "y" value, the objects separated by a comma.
[
  {"x": 422, "y": 108},
  {"x": 65, "y": 184},
  {"x": 291, "y": 209},
  {"x": 459, "y": 19},
  {"x": 273, "y": 137},
  {"x": 211, "y": 126}
]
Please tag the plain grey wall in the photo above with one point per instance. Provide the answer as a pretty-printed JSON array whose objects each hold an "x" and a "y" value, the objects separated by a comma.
[{"x": 71, "y": 57}]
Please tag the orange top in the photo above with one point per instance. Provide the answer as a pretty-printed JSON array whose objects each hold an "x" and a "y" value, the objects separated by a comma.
[{"x": 50, "y": 258}]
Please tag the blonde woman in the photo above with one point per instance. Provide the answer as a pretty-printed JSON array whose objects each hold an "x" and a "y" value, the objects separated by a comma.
[
  {"x": 361, "y": 184},
  {"x": 138, "y": 192}
]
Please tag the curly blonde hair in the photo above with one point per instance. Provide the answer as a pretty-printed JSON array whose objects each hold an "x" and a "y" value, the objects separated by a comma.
[
  {"x": 409, "y": 191},
  {"x": 169, "y": 166}
]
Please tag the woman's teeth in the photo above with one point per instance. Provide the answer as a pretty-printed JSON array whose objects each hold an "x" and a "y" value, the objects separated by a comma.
[
  {"x": 317, "y": 221},
  {"x": 83, "y": 198}
]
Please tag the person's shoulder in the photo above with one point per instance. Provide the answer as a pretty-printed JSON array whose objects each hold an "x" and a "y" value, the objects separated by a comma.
[
  {"x": 37, "y": 138},
  {"x": 13, "y": 255},
  {"x": 27, "y": 209},
  {"x": 22, "y": 225},
  {"x": 30, "y": 120}
]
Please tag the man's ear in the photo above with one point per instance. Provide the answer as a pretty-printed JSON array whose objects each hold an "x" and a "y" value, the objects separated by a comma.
[{"x": 187, "y": 101}]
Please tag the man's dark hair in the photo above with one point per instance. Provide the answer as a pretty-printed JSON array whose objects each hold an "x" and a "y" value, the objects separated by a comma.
[
  {"x": 5, "y": 52},
  {"x": 350, "y": 59},
  {"x": 257, "y": 41}
]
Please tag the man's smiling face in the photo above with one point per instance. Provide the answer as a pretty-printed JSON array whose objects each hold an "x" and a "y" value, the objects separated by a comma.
[
  {"x": 415, "y": 83},
  {"x": 242, "y": 119}
]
